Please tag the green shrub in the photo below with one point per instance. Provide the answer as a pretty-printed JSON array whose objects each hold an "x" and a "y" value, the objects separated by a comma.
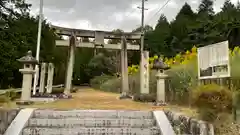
[
  {"x": 212, "y": 96},
  {"x": 12, "y": 95},
  {"x": 96, "y": 82},
  {"x": 181, "y": 79},
  {"x": 57, "y": 90},
  {"x": 144, "y": 97},
  {"x": 208, "y": 114},
  {"x": 112, "y": 85},
  {"x": 4, "y": 99}
]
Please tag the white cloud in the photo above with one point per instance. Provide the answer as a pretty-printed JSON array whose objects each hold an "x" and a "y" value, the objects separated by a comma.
[{"x": 109, "y": 14}]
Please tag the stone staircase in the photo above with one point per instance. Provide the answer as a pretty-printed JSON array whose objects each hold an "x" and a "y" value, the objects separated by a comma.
[{"x": 91, "y": 122}]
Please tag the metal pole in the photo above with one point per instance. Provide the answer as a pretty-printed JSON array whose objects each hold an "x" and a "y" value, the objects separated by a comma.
[
  {"x": 141, "y": 50},
  {"x": 38, "y": 46}
]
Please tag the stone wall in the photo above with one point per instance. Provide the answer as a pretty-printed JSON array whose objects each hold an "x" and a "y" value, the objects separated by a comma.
[
  {"x": 188, "y": 126},
  {"x": 6, "y": 117}
]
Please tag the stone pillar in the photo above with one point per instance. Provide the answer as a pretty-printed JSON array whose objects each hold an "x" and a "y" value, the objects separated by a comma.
[
  {"x": 42, "y": 78},
  {"x": 161, "y": 77},
  {"x": 68, "y": 79},
  {"x": 144, "y": 85},
  {"x": 28, "y": 71},
  {"x": 50, "y": 77},
  {"x": 124, "y": 70}
]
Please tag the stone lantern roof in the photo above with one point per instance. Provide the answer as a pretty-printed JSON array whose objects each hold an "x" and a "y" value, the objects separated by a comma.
[
  {"x": 28, "y": 59},
  {"x": 160, "y": 65}
]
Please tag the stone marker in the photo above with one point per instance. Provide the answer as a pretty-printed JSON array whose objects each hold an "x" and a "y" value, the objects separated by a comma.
[
  {"x": 144, "y": 87},
  {"x": 28, "y": 63},
  {"x": 50, "y": 77},
  {"x": 42, "y": 78}
]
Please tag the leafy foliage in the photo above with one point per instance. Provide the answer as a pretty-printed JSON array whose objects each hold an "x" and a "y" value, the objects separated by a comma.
[
  {"x": 212, "y": 96},
  {"x": 99, "y": 80}
]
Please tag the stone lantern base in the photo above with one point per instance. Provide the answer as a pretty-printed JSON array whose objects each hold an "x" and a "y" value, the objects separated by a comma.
[
  {"x": 160, "y": 103},
  {"x": 21, "y": 102},
  {"x": 161, "y": 77},
  {"x": 125, "y": 96}
]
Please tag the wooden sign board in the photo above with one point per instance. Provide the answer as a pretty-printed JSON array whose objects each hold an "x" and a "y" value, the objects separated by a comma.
[{"x": 213, "y": 61}]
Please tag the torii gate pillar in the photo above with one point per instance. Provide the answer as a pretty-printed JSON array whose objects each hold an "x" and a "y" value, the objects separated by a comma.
[
  {"x": 71, "y": 59},
  {"x": 124, "y": 70}
]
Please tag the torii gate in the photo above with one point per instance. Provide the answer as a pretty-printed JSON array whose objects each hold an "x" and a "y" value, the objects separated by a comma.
[{"x": 98, "y": 43}]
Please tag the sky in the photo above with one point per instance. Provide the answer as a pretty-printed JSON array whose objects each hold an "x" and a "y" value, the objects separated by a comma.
[{"x": 110, "y": 14}]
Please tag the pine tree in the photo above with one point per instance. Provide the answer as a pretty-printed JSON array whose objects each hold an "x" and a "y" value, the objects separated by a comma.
[
  {"x": 185, "y": 11},
  {"x": 228, "y": 6},
  {"x": 206, "y": 8}
]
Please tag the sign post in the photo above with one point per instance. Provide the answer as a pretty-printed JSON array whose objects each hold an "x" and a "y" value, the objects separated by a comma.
[{"x": 213, "y": 61}]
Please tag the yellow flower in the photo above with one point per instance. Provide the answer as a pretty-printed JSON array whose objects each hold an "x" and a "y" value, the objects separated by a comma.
[
  {"x": 155, "y": 57},
  {"x": 194, "y": 49}
]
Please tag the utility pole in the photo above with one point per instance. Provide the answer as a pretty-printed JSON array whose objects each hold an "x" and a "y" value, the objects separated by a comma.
[
  {"x": 36, "y": 75},
  {"x": 142, "y": 47}
]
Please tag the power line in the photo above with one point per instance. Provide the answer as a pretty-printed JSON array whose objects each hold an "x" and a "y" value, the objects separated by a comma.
[{"x": 160, "y": 9}]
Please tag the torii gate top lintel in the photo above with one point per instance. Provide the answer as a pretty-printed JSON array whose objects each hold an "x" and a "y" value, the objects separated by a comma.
[{"x": 92, "y": 33}]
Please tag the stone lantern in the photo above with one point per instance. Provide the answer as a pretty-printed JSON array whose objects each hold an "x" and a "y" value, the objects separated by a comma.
[
  {"x": 160, "y": 66},
  {"x": 28, "y": 70}
]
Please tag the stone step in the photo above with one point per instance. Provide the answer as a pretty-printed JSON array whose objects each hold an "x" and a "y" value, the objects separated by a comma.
[
  {"x": 93, "y": 114},
  {"x": 91, "y": 131},
  {"x": 91, "y": 122}
]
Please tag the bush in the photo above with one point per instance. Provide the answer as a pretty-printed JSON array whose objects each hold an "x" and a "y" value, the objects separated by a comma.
[
  {"x": 144, "y": 97},
  {"x": 212, "y": 96},
  {"x": 3, "y": 99},
  {"x": 96, "y": 82},
  {"x": 208, "y": 114},
  {"x": 61, "y": 90},
  {"x": 12, "y": 95},
  {"x": 113, "y": 85},
  {"x": 181, "y": 79}
]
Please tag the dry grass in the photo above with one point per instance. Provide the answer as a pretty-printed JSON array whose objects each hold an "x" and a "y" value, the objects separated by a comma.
[
  {"x": 87, "y": 98},
  {"x": 91, "y": 99}
]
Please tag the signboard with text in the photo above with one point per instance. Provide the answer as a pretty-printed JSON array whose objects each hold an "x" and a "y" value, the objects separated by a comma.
[{"x": 213, "y": 61}]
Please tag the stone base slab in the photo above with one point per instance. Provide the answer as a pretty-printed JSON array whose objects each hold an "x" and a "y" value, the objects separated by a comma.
[
  {"x": 160, "y": 104},
  {"x": 91, "y": 131},
  {"x": 43, "y": 99},
  {"x": 125, "y": 96}
]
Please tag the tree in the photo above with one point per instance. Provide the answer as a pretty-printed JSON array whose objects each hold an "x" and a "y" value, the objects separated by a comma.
[
  {"x": 156, "y": 41},
  {"x": 181, "y": 27},
  {"x": 147, "y": 28},
  {"x": 101, "y": 64},
  {"x": 206, "y": 8},
  {"x": 185, "y": 12},
  {"x": 228, "y": 6},
  {"x": 20, "y": 36}
]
